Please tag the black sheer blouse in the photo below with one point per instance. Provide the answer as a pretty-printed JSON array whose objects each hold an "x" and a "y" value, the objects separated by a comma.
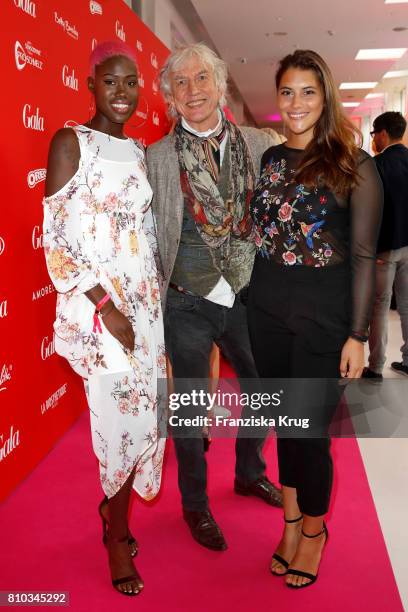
[{"x": 299, "y": 226}]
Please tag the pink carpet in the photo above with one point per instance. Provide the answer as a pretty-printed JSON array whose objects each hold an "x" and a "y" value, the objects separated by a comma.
[{"x": 50, "y": 540}]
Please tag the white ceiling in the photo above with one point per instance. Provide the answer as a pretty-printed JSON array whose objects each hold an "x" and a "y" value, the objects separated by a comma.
[{"x": 245, "y": 29}]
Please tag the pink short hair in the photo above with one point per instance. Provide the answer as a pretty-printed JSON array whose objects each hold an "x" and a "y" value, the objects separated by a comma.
[{"x": 108, "y": 49}]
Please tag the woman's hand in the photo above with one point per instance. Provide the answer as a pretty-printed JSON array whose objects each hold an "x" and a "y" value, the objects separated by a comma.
[
  {"x": 352, "y": 359},
  {"x": 119, "y": 326}
]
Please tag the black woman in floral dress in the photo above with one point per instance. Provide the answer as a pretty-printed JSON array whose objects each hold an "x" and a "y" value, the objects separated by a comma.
[{"x": 109, "y": 327}]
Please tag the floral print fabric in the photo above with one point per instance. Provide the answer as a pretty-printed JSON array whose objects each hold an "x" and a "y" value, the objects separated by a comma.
[
  {"x": 94, "y": 233},
  {"x": 295, "y": 225}
]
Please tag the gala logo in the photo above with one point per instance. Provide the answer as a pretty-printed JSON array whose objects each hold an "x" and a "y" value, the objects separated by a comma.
[
  {"x": 69, "y": 79},
  {"x": 120, "y": 31},
  {"x": 3, "y": 309},
  {"x": 37, "y": 238},
  {"x": 47, "y": 347},
  {"x": 10, "y": 443},
  {"x": 32, "y": 121},
  {"x": 27, "y": 6}
]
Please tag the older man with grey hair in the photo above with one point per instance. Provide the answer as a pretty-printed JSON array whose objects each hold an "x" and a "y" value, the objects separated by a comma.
[{"x": 203, "y": 176}]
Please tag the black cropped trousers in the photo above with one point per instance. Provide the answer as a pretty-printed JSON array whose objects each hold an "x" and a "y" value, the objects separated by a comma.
[{"x": 299, "y": 320}]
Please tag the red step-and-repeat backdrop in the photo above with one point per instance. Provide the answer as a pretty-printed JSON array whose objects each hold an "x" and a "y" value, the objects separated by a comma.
[{"x": 45, "y": 47}]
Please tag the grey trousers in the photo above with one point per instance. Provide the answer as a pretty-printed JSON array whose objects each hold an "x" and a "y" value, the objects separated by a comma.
[{"x": 391, "y": 269}]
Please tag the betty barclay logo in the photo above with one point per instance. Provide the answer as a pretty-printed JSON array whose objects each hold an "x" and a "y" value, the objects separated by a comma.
[
  {"x": 120, "y": 31},
  {"x": 69, "y": 79},
  {"x": 5, "y": 376},
  {"x": 155, "y": 87},
  {"x": 27, "y": 6},
  {"x": 32, "y": 120},
  {"x": 3, "y": 309},
  {"x": 153, "y": 60},
  {"x": 66, "y": 26},
  {"x": 140, "y": 80},
  {"x": 2, "y": 245},
  {"x": 155, "y": 118},
  {"x": 139, "y": 45},
  {"x": 95, "y": 8},
  {"x": 93, "y": 44},
  {"x": 36, "y": 176},
  {"x": 27, "y": 56}
]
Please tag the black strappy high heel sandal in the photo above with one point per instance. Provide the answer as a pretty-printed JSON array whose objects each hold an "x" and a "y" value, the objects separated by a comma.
[
  {"x": 127, "y": 579},
  {"x": 131, "y": 540},
  {"x": 280, "y": 559},
  {"x": 311, "y": 577}
]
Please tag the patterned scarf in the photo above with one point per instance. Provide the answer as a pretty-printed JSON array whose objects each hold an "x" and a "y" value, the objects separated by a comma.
[{"x": 216, "y": 220}]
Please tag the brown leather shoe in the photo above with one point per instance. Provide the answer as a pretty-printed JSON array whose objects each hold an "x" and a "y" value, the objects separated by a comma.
[
  {"x": 262, "y": 488},
  {"x": 205, "y": 530}
]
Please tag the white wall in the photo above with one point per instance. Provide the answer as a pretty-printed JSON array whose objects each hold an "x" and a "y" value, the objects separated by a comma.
[
  {"x": 173, "y": 28},
  {"x": 167, "y": 23}
]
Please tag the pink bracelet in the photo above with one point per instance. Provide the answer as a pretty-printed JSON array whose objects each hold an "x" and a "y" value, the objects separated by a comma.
[
  {"x": 102, "y": 302},
  {"x": 96, "y": 322}
]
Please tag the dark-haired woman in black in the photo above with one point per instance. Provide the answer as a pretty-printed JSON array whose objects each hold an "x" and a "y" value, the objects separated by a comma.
[{"x": 317, "y": 207}]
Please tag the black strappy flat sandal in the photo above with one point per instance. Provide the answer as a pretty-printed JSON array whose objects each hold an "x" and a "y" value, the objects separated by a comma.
[
  {"x": 105, "y": 524},
  {"x": 311, "y": 577},
  {"x": 280, "y": 559}
]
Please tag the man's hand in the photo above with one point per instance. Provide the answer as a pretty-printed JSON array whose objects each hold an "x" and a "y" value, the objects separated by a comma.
[{"x": 352, "y": 359}]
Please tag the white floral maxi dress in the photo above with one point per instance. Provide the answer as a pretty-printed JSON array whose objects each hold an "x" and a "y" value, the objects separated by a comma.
[{"x": 94, "y": 233}]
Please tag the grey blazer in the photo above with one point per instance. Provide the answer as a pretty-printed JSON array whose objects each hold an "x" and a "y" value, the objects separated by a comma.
[{"x": 168, "y": 201}]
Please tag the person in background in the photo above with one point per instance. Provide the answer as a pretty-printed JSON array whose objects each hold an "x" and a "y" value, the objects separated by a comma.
[
  {"x": 109, "y": 322},
  {"x": 392, "y": 248},
  {"x": 203, "y": 176},
  {"x": 278, "y": 138},
  {"x": 317, "y": 207}
]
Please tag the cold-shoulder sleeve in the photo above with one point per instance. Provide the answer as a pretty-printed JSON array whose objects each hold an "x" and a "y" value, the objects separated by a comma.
[
  {"x": 366, "y": 204},
  {"x": 69, "y": 240}
]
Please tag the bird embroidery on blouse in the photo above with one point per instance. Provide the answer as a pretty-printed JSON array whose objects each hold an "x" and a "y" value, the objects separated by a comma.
[{"x": 309, "y": 230}]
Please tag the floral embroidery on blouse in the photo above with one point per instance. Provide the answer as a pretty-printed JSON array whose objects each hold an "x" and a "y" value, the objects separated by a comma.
[{"x": 290, "y": 219}]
